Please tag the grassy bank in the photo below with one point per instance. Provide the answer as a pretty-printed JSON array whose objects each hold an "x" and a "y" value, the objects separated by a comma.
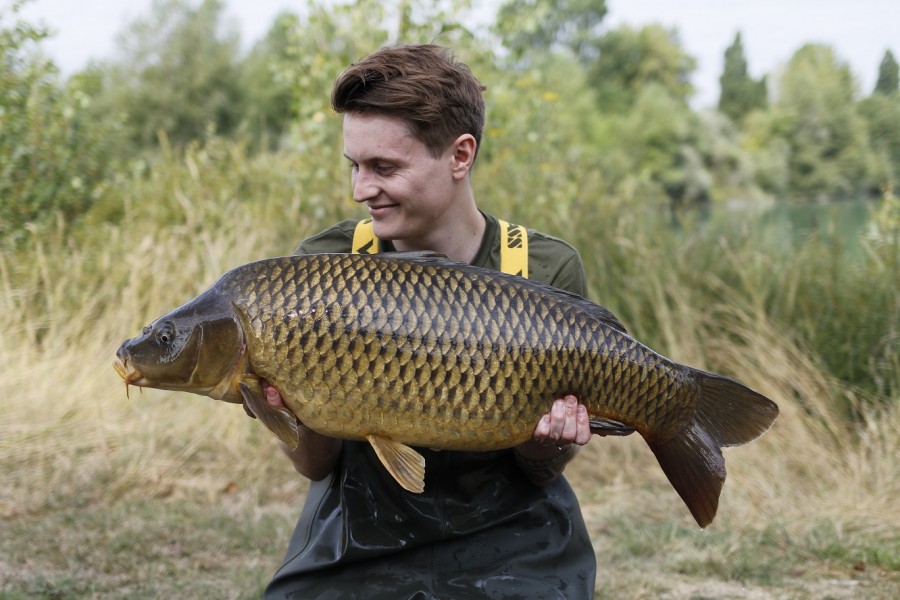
[{"x": 166, "y": 495}]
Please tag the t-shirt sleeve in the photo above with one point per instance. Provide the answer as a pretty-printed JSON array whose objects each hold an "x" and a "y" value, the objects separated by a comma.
[
  {"x": 553, "y": 261},
  {"x": 571, "y": 276}
]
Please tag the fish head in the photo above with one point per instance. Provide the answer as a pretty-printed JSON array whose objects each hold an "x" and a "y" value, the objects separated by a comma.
[{"x": 189, "y": 349}]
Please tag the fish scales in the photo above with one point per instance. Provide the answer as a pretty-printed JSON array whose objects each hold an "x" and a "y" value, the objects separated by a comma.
[
  {"x": 443, "y": 347},
  {"x": 413, "y": 350}
]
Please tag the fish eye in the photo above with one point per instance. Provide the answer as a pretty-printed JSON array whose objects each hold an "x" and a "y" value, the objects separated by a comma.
[{"x": 166, "y": 333}]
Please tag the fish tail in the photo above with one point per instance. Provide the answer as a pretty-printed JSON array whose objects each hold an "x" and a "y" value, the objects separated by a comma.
[{"x": 728, "y": 414}]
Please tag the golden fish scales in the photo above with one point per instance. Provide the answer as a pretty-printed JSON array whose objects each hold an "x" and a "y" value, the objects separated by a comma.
[
  {"x": 439, "y": 358},
  {"x": 413, "y": 350}
]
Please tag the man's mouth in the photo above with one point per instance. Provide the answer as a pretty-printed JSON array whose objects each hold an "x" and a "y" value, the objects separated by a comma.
[{"x": 380, "y": 209}]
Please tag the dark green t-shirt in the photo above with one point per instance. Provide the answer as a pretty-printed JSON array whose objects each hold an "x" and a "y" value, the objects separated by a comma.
[
  {"x": 481, "y": 529},
  {"x": 550, "y": 259}
]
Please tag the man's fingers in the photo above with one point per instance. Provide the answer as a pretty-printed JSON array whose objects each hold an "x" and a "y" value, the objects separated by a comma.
[
  {"x": 570, "y": 421},
  {"x": 583, "y": 426},
  {"x": 273, "y": 396},
  {"x": 543, "y": 428},
  {"x": 557, "y": 421},
  {"x": 566, "y": 422}
]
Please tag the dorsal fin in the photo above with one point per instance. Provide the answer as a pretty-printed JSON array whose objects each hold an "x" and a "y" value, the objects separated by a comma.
[{"x": 418, "y": 255}]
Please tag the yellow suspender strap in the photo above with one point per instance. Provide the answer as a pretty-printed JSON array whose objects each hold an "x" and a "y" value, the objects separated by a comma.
[
  {"x": 513, "y": 249},
  {"x": 513, "y": 245},
  {"x": 364, "y": 240}
]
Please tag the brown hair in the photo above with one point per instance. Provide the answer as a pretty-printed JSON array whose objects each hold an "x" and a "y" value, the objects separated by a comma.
[{"x": 423, "y": 85}]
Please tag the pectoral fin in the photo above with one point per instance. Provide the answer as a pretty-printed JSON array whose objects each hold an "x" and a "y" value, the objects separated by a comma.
[
  {"x": 403, "y": 463},
  {"x": 280, "y": 421}
]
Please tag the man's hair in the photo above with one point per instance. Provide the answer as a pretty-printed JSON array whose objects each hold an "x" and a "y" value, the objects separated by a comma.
[{"x": 423, "y": 85}]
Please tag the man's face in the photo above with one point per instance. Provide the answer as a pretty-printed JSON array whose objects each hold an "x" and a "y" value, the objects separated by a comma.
[{"x": 407, "y": 190}]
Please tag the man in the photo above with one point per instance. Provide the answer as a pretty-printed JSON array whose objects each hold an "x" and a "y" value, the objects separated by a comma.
[{"x": 499, "y": 524}]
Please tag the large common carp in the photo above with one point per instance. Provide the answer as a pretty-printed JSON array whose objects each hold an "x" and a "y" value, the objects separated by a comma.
[{"x": 414, "y": 350}]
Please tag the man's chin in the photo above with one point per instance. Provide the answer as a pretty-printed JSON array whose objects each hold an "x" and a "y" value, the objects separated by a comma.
[{"x": 387, "y": 225}]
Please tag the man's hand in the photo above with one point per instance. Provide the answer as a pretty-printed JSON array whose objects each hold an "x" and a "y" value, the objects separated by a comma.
[
  {"x": 566, "y": 423},
  {"x": 273, "y": 398}
]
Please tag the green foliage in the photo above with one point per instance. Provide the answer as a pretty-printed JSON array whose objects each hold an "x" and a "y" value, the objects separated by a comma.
[
  {"x": 763, "y": 139},
  {"x": 269, "y": 95},
  {"x": 178, "y": 74},
  {"x": 537, "y": 157},
  {"x": 839, "y": 304},
  {"x": 53, "y": 161},
  {"x": 829, "y": 152},
  {"x": 631, "y": 60},
  {"x": 317, "y": 48},
  {"x": 739, "y": 93},
  {"x": 652, "y": 150},
  {"x": 881, "y": 113},
  {"x": 528, "y": 26},
  {"x": 644, "y": 137},
  {"x": 660, "y": 149},
  {"x": 888, "y": 75}
]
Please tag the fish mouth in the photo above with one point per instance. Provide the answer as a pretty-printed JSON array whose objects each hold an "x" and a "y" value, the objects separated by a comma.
[{"x": 127, "y": 372}]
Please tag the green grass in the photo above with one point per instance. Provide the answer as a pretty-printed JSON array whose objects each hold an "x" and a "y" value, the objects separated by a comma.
[{"x": 190, "y": 547}]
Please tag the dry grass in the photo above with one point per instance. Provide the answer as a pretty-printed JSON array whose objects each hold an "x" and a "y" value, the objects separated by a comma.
[{"x": 170, "y": 495}]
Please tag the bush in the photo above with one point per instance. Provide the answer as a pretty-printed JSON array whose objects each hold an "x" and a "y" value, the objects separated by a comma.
[{"x": 53, "y": 161}]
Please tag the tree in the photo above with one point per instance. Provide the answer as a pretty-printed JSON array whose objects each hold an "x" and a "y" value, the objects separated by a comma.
[
  {"x": 882, "y": 115},
  {"x": 178, "y": 74},
  {"x": 888, "y": 75},
  {"x": 270, "y": 99},
  {"x": 656, "y": 150},
  {"x": 829, "y": 153},
  {"x": 739, "y": 93},
  {"x": 630, "y": 60},
  {"x": 543, "y": 25}
]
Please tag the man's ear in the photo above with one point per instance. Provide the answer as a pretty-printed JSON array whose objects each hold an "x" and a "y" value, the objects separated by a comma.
[{"x": 462, "y": 152}]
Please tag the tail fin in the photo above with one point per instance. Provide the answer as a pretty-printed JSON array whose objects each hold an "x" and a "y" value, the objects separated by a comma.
[{"x": 728, "y": 414}]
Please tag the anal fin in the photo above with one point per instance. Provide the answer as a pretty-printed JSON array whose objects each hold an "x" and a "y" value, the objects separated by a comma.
[
  {"x": 279, "y": 421},
  {"x": 404, "y": 464}
]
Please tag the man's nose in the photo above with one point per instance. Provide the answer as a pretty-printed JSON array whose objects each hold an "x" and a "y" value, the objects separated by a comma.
[{"x": 364, "y": 187}]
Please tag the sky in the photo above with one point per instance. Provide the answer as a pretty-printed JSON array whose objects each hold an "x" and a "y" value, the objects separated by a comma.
[{"x": 771, "y": 30}]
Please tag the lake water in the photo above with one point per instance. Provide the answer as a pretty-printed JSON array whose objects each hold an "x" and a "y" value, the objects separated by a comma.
[{"x": 783, "y": 225}]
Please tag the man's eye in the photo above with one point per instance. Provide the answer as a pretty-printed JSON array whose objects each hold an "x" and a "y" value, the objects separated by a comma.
[{"x": 384, "y": 168}]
